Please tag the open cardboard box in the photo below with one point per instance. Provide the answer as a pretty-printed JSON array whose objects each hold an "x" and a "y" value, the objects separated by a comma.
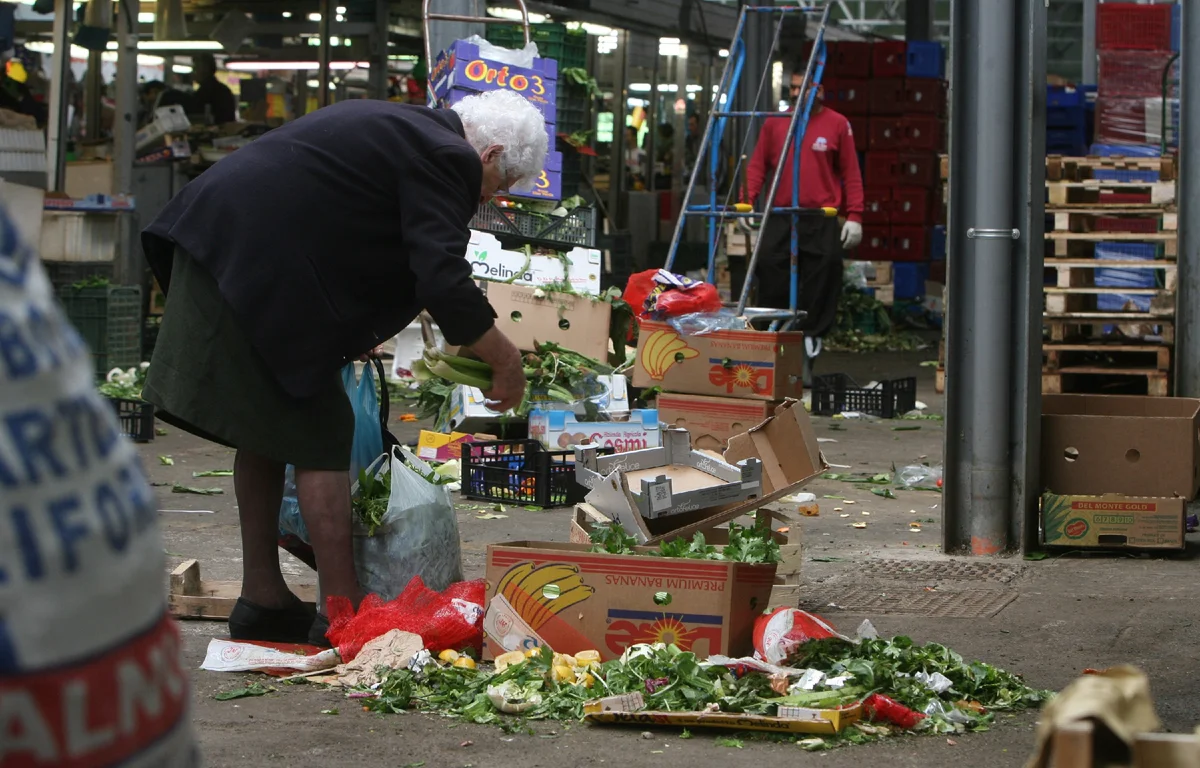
[
  {"x": 712, "y": 420},
  {"x": 627, "y": 710},
  {"x": 571, "y": 599},
  {"x": 784, "y": 444},
  {"x": 579, "y": 323}
]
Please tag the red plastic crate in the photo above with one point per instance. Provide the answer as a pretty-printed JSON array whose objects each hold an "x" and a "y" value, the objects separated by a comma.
[
  {"x": 850, "y": 59},
  {"x": 910, "y": 243},
  {"x": 1141, "y": 225},
  {"x": 937, "y": 272},
  {"x": 876, "y": 244},
  {"x": 910, "y": 205},
  {"x": 925, "y": 96},
  {"x": 889, "y": 58},
  {"x": 882, "y": 169},
  {"x": 923, "y": 132},
  {"x": 1124, "y": 198},
  {"x": 877, "y": 205},
  {"x": 888, "y": 97},
  {"x": 1131, "y": 74},
  {"x": 886, "y": 133},
  {"x": 860, "y": 126},
  {"x": 1121, "y": 121},
  {"x": 917, "y": 169},
  {"x": 1131, "y": 26},
  {"x": 850, "y": 97}
]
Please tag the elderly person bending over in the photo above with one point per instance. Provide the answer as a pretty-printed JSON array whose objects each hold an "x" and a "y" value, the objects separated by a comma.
[{"x": 297, "y": 254}]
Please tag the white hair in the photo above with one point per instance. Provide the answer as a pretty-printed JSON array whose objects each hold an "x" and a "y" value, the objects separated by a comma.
[{"x": 503, "y": 118}]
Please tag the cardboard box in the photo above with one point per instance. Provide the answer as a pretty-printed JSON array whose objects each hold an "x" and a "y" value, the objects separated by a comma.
[
  {"x": 468, "y": 410},
  {"x": 490, "y": 261},
  {"x": 561, "y": 430},
  {"x": 1113, "y": 522},
  {"x": 624, "y": 710},
  {"x": 576, "y": 322},
  {"x": 566, "y": 597},
  {"x": 712, "y": 420},
  {"x": 462, "y": 67},
  {"x": 748, "y": 364},
  {"x": 547, "y": 186},
  {"x": 1137, "y": 446},
  {"x": 436, "y": 446}
]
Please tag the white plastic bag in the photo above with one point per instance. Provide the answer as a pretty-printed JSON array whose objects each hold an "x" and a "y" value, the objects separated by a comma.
[
  {"x": 514, "y": 58},
  {"x": 417, "y": 537}
]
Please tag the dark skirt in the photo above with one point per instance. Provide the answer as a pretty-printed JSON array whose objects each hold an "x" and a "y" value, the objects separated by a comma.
[{"x": 206, "y": 378}]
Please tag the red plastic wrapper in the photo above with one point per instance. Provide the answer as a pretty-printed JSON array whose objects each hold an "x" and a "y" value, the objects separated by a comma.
[
  {"x": 881, "y": 709},
  {"x": 778, "y": 634},
  {"x": 449, "y": 619},
  {"x": 650, "y": 298},
  {"x": 1134, "y": 73}
]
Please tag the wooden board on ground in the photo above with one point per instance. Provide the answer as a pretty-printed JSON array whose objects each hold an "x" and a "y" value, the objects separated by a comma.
[
  {"x": 1059, "y": 357},
  {"x": 1082, "y": 245},
  {"x": 939, "y": 383},
  {"x": 1086, "y": 380},
  {"x": 191, "y": 598},
  {"x": 1109, "y": 193},
  {"x": 1071, "y": 328},
  {"x": 1101, "y": 220},
  {"x": 1060, "y": 168}
]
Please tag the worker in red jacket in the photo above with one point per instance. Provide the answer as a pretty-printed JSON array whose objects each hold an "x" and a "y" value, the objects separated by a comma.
[{"x": 829, "y": 178}]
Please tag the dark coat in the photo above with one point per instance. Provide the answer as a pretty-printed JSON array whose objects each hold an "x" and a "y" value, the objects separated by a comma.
[{"x": 329, "y": 235}]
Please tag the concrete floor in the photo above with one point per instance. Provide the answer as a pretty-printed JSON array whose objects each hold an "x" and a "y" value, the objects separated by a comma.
[{"x": 1066, "y": 614}]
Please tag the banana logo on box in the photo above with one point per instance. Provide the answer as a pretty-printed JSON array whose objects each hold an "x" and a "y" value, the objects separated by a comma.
[
  {"x": 538, "y": 593},
  {"x": 662, "y": 350}
]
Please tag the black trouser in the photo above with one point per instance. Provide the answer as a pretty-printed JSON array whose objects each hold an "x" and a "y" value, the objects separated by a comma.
[{"x": 820, "y": 262}]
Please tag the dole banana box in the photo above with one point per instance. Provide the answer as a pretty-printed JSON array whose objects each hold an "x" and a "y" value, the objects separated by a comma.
[
  {"x": 749, "y": 364},
  {"x": 571, "y": 599}
]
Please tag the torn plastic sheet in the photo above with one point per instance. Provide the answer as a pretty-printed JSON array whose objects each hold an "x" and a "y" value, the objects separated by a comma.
[{"x": 937, "y": 682}]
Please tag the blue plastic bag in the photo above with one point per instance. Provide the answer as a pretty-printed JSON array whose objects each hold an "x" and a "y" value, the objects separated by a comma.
[{"x": 368, "y": 446}]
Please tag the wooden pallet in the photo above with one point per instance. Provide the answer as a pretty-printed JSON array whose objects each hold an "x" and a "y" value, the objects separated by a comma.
[
  {"x": 1076, "y": 272},
  {"x": 1075, "y": 288},
  {"x": 191, "y": 598},
  {"x": 1059, "y": 168},
  {"x": 1082, "y": 299},
  {"x": 1081, "y": 245},
  {"x": 1060, "y": 357},
  {"x": 1089, "y": 326},
  {"x": 1083, "y": 220},
  {"x": 1085, "y": 380},
  {"x": 1092, "y": 193},
  {"x": 1078, "y": 745}
]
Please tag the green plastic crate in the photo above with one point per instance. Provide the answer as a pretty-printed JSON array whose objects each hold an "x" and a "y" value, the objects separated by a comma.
[
  {"x": 554, "y": 41},
  {"x": 109, "y": 319}
]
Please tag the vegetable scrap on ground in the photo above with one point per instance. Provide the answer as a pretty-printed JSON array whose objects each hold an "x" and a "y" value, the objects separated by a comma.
[{"x": 902, "y": 687}]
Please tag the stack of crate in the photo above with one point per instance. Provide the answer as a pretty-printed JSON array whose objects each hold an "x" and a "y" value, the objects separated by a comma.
[
  {"x": 1110, "y": 274},
  {"x": 1135, "y": 43},
  {"x": 1066, "y": 121},
  {"x": 897, "y": 110}
]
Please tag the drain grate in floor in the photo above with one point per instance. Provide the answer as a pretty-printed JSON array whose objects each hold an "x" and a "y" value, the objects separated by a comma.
[
  {"x": 969, "y": 604},
  {"x": 944, "y": 570}
]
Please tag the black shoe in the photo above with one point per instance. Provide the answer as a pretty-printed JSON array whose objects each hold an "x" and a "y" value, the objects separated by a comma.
[
  {"x": 290, "y": 624},
  {"x": 317, "y": 631}
]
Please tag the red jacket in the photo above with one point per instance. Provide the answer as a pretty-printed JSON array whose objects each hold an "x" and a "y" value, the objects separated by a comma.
[{"x": 829, "y": 174}]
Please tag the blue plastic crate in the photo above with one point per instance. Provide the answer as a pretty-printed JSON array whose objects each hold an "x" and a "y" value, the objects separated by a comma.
[
  {"x": 1065, "y": 136},
  {"x": 1065, "y": 117},
  {"x": 1126, "y": 150},
  {"x": 937, "y": 243},
  {"x": 925, "y": 59},
  {"x": 1126, "y": 175},
  {"x": 1119, "y": 251},
  {"x": 1116, "y": 302},
  {"x": 1067, "y": 150},
  {"x": 1117, "y": 277},
  {"x": 908, "y": 279},
  {"x": 1176, "y": 26},
  {"x": 1063, "y": 96}
]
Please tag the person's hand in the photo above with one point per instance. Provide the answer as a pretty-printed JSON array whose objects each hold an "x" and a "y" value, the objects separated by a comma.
[
  {"x": 377, "y": 352},
  {"x": 508, "y": 376},
  {"x": 851, "y": 234}
]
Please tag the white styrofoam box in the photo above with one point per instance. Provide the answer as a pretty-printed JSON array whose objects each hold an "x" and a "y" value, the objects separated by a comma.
[
  {"x": 468, "y": 411},
  {"x": 19, "y": 140},
  {"x": 170, "y": 119},
  {"x": 560, "y": 431},
  {"x": 78, "y": 236},
  {"x": 26, "y": 162},
  {"x": 490, "y": 261},
  {"x": 409, "y": 346}
]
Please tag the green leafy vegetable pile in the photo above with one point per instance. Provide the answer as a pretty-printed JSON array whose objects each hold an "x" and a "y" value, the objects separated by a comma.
[
  {"x": 746, "y": 545},
  {"x": 864, "y": 324},
  {"x": 371, "y": 502}
]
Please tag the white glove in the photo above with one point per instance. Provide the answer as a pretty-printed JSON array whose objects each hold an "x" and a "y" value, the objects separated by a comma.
[{"x": 851, "y": 234}]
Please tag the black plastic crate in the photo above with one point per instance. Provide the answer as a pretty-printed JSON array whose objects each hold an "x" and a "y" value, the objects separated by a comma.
[
  {"x": 109, "y": 318},
  {"x": 68, "y": 273},
  {"x": 520, "y": 472},
  {"x": 137, "y": 418},
  {"x": 576, "y": 228},
  {"x": 837, "y": 393}
]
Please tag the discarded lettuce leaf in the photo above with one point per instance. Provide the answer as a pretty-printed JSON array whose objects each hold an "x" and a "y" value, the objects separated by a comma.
[
  {"x": 214, "y": 473},
  {"x": 884, "y": 492},
  {"x": 166, "y": 461},
  {"x": 254, "y": 689},
  {"x": 177, "y": 488}
]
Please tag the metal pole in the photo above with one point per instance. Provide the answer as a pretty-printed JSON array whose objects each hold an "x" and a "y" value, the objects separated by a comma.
[
  {"x": 652, "y": 134},
  {"x": 679, "y": 120},
  {"x": 1088, "y": 71},
  {"x": 60, "y": 67},
  {"x": 93, "y": 93},
  {"x": 979, "y": 337},
  {"x": 918, "y": 19},
  {"x": 617, "y": 177},
  {"x": 128, "y": 268},
  {"x": 324, "y": 53},
  {"x": 379, "y": 65},
  {"x": 1187, "y": 320}
]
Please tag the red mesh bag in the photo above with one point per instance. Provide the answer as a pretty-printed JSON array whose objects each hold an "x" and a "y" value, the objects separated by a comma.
[{"x": 449, "y": 619}]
